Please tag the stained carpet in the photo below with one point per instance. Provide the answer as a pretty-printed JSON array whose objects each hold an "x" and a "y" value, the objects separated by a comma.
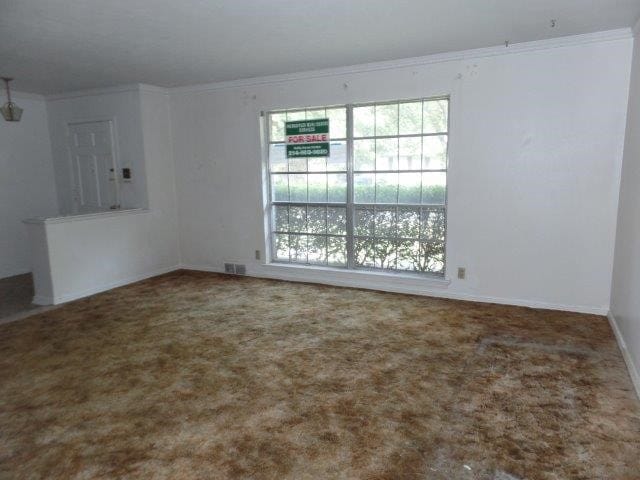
[{"x": 203, "y": 376}]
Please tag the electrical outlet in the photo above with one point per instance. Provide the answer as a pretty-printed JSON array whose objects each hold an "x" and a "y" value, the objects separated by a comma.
[
  {"x": 257, "y": 254},
  {"x": 462, "y": 273}
]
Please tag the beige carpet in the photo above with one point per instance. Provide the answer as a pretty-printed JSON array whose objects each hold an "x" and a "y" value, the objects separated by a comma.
[{"x": 202, "y": 376}]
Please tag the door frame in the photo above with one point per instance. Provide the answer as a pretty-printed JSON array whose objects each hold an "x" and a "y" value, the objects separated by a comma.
[{"x": 73, "y": 182}]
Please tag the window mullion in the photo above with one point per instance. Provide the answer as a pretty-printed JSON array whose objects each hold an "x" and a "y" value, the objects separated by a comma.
[{"x": 350, "y": 190}]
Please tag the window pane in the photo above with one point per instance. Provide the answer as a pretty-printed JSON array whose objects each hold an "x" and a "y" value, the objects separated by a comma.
[
  {"x": 364, "y": 252},
  {"x": 384, "y": 253},
  {"x": 281, "y": 246},
  {"x": 316, "y": 220},
  {"x": 387, "y": 119},
  {"x": 317, "y": 249},
  {"x": 435, "y": 116},
  {"x": 280, "y": 187},
  {"x": 410, "y": 118},
  {"x": 364, "y": 155},
  {"x": 432, "y": 244},
  {"x": 276, "y": 130},
  {"x": 297, "y": 219},
  {"x": 410, "y": 153},
  {"x": 364, "y": 222},
  {"x": 281, "y": 218},
  {"x": 408, "y": 254},
  {"x": 299, "y": 115},
  {"x": 337, "y": 187},
  {"x": 387, "y": 154},
  {"x": 316, "y": 113},
  {"x": 409, "y": 188},
  {"x": 337, "y": 251},
  {"x": 337, "y": 122},
  {"x": 317, "y": 164},
  {"x": 277, "y": 157},
  {"x": 318, "y": 187},
  {"x": 298, "y": 248},
  {"x": 297, "y": 164},
  {"x": 337, "y": 220},
  {"x": 364, "y": 121},
  {"x": 338, "y": 159},
  {"x": 431, "y": 257},
  {"x": 433, "y": 187},
  {"x": 409, "y": 223},
  {"x": 432, "y": 225},
  {"x": 298, "y": 187},
  {"x": 364, "y": 187},
  {"x": 386, "y": 187},
  {"x": 434, "y": 152},
  {"x": 385, "y": 223}
]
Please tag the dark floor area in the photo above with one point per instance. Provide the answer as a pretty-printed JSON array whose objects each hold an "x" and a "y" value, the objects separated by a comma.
[{"x": 16, "y": 294}]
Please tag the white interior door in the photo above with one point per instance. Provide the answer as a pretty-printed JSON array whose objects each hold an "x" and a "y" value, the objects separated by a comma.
[{"x": 94, "y": 166}]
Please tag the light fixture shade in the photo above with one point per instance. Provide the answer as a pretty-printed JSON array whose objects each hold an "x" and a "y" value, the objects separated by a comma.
[{"x": 11, "y": 112}]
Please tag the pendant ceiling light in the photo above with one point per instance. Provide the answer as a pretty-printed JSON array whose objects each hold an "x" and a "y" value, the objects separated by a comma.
[{"x": 10, "y": 111}]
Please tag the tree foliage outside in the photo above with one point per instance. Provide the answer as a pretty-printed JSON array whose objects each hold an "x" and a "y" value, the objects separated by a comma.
[{"x": 402, "y": 238}]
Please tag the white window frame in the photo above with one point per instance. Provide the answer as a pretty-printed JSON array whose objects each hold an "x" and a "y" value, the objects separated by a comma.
[{"x": 350, "y": 204}]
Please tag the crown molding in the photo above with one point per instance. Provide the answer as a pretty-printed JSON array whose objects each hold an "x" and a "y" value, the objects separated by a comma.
[
  {"x": 512, "y": 49},
  {"x": 516, "y": 48},
  {"x": 93, "y": 91},
  {"x": 134, "y": 87},
  {"x": 26, "y": 96},
  {"x": 148, "y": 88}
]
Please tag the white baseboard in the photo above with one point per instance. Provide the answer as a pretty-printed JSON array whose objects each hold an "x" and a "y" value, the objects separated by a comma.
[
  {"x": 631, "y": 367},
  {"x": 43, "y": 300},
  {"x": 561, "y": 307},
  {"x": 201, "y": 268},
  {"x": 13, "y": 273},
  {"x": 58, "y": 299},
  {"x": 388, "y": 283}
]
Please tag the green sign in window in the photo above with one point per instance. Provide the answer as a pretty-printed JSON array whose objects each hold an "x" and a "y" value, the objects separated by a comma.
[{"x": 307, "y": 138}]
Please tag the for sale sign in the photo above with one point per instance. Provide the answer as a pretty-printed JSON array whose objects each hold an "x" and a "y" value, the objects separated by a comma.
[{"x": 307, "y": 138}]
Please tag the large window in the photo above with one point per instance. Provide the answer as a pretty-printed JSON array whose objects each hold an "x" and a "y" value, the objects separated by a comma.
[{"x": 377, "y": 202}]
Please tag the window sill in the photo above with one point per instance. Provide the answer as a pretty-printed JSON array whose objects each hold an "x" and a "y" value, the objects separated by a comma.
[{"x": 393, "y": 282}]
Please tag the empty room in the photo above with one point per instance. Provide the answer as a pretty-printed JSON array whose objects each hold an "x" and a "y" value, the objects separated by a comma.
[{"x": 353, "y": 239}]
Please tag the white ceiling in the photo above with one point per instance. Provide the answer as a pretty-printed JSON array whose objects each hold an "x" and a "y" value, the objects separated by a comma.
[{"x": 52, "y": 46}]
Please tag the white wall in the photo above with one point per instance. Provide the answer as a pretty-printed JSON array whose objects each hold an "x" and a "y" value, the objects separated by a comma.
[
  {"x": 155, "y": 117},
  {"x": 625, "y": 293},
  {"x": 159, "y": 167},
  {"x": 88, "y": 254},
  {"x": 27, "y": 186},
  {"x": 536, "y": 146},
  {"x": 122, "y": 105},
  {"x": 83, "y": 255}
]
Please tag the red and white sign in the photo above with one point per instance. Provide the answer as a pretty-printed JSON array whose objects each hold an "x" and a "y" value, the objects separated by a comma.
[{"x": 315, "y": 138}]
